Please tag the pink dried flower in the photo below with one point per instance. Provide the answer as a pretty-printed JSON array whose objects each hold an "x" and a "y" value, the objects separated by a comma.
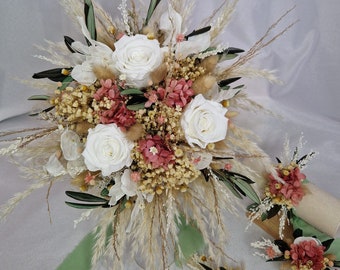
[
  {"x": 176, "y": 93},
  {"x": 152, "y": 98},
  {"x": 118, "y": 112},
  {"x": 270, "y": 252},
  {"x": 180, "y": 38},
  {"x": 292, "y": 188},
  {"x": 89, "y": 179},
  {"x": 135, "y": 176},
  {"x": 307, "y": 253},
  {"x": 156, "y": 152},
  {"x": 228, "y": 166}
]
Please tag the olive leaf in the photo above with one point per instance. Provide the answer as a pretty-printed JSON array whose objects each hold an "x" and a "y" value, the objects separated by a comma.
[
  {"x": 68, "y": 42},
  {"x": 84, "y": 206},
  {"x": 248, "y": 190},
  {"x": 198, "y": 32},
  {"x": 132, "y": 91},
  {"x": 42, "y": 111},
  {"x": 226, "y": 82},
  {"x": 54, "y": 74},
  {"x": 65, "y": 83},
  {"x": 327, "y": 243},
  {"x": 90, "y": 18},
  {"x": 39, "y": 97},
  {"x": 152, "y": 6},
  {"x": 85, "y": 197}
]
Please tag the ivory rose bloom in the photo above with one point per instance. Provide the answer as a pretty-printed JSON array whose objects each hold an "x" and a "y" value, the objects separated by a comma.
[
  {"x": 203, "y": 122},
  {"x": 136, "y": 57},
  {"x": 107, "y": 149}
]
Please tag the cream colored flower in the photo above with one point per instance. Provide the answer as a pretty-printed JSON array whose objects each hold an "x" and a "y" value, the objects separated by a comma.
[
  {"x": 123, "y": 186},
  {"x": 107, "y": 149},
  {"x": 97, "y": 54},
  {"x": 203, "y": 122},
  {"x": 136, "y": 57}
]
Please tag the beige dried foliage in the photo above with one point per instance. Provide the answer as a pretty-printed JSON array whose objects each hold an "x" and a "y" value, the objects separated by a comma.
[
  {"x": 210, "y": 63},
  {"x": 224, "y": 13},
  {"x": 103, "y": 72},
  {"x": 135, "y": 132},
  {"x": 159, "y": 74},
  {"x": 203, "y": 84},
  {"x": 263, "y": 42}
]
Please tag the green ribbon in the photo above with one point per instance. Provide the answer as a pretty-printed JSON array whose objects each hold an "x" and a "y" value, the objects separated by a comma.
[
  {"x": 190, "y": 239},
  {"x": 80, "y": 257},
  {"x": 309, "y": 230}
]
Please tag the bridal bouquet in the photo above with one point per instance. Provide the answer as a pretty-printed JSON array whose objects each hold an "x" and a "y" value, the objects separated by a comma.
[{"x": 141, "y": 122}]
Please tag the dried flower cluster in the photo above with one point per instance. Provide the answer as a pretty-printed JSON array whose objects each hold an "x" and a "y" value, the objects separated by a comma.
[
  {"x": 141, "y": 116},
  {"x": 289, "y": 192}
]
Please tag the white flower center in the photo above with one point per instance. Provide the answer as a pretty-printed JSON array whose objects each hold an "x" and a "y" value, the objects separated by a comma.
[{"x": 153, "y": 150}]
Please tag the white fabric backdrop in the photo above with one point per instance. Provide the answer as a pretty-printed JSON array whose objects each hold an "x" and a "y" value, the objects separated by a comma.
[{"x": 306, "y": 59}]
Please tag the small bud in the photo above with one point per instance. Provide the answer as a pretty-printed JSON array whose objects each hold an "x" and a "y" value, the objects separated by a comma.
[{"x": 65, "y": 72}]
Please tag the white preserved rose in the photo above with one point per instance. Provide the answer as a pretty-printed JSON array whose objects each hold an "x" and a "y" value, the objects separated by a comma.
[
  {"x": 136, "y": 57},
  {"x": 107, "y": 149},
  {"x": 203, "y": 122}
]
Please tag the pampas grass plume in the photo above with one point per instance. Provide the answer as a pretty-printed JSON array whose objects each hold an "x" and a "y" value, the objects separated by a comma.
[
  {"x": 104, "y": 73},
  {"x": 203, "y": 84},
  {"x": 135, "y": 132},
  {"x": 210, "y": 63},
  {"x": 82, "y": 128},
  {"x": 159, "y": 74}
]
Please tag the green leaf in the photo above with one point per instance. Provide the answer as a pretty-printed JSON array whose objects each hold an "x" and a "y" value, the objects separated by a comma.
[
  {"x": 229, "y": 53},
  {"x": 136, "y": 107},
  {"x": 68, "y": 42},
  {"x": 39, "y": 97},
  {"x": 132, "y": 91},
  {"x": 336, "y": 263},
  {"x": 226, "y": 82},
  {"x": 90, "y": 18},
  {"x": 83, "y": 205},
  {"x": 227, "y": 182},
  {"x": 105, "y": 192},
  {"x": 198, "y": 32},
  {"x": 65, "y": 83},
  {"x": 226, "y": 57},
  {"x": 273, "y": 211},
  {"x": 282, "y": 245},
  {"x": 152, "y": 6},
  {"x": 42, "y": 111},
  {"x": 252, "y": 207},
  {"x": 297, "y": 233},
  {"x": 239, "y": 87},
  {"x": 54, "y": 74},
  {"x": 205, "y": 267},
  {"x": 85, "y": 197},
  {"x": 248, "y": 190},
  {"x": 239, "y": 176},
  {"x": 327, "y": 243}
]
